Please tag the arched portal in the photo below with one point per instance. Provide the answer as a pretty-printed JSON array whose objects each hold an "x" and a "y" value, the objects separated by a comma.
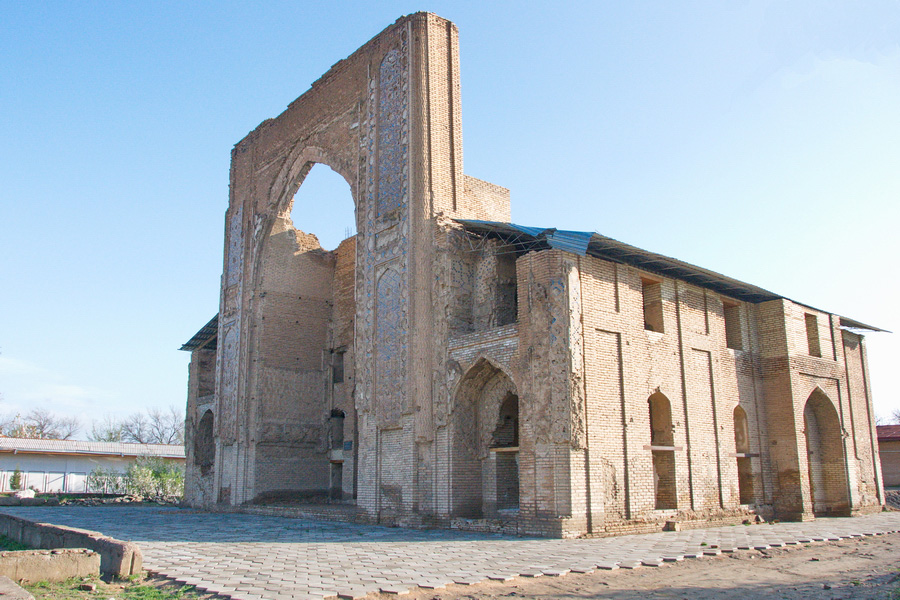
[
  {"x": 485, "y": 459},
  {"x": 365, "y": 119},
  {"x": 662, "y": 445},
  {"x": 742, "y": 449},
  {"x": 304, "y": 309},
  {"x": 825, "y": 451}
]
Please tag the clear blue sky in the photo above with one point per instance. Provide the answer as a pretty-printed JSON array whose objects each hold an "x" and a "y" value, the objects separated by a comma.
[{"x": 757, "y": 139}]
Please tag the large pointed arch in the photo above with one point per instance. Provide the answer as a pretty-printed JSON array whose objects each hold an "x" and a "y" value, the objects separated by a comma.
[{"x": 296, "y": 167}]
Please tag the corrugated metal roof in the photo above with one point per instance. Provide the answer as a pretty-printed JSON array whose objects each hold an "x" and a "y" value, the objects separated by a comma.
[
  {"x": 888, "y": 433},
  {"x": 8, "y": 444},
  {"x": 205, "y": 338},
  {"x": 587, "y": 243}
]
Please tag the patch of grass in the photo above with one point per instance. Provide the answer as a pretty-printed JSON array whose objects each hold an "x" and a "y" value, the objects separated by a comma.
[
  {"x": 10, "y": 544},
  {"x": 151, "y": 592},
  {"x": 132, "y": 588}
]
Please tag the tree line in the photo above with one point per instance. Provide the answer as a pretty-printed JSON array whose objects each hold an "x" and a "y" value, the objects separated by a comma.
[{"x": 151, "y": 426}]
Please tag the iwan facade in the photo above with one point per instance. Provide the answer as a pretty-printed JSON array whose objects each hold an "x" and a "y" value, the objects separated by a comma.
[{"x": 444, "y": 367}]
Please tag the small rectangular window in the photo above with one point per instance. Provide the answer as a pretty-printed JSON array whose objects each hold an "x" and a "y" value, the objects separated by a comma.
[
  {"x": 733, "y": 337},
  {"x": 812, "y": 335},
  {"x": 653, "y": 309}
]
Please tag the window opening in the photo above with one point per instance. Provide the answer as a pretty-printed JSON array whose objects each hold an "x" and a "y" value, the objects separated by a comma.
[
  {"x": 337, "y": 367},
  {"x": 506, "y": 435},
  {"x": 653, "y": 310},
  {"x": 733, "y": 337},
  {"x": 812, "y": 335},
  {"x": 507, "y": 298},
  {"x": 337, "y": 429},
  {"x": 336, "y": 479}
]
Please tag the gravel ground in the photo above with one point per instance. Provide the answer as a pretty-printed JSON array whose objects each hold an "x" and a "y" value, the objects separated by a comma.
[{"x": 861, "y": 568}]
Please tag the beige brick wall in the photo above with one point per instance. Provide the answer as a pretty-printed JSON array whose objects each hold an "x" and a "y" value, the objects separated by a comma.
[{"x": 890, "y": 463}]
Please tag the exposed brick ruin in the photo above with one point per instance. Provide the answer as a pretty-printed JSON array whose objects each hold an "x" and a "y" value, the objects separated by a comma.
[{"x": 432, "y": 371}]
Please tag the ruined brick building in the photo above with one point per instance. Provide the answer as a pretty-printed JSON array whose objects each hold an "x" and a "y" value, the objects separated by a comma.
[{"x": 444, "y": 367}]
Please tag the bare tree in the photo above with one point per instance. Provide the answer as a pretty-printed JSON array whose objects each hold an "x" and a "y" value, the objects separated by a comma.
[
  {"x": 42, "y": 424},
  {"x": 166, "y": 427},
  {"x": 8, "y": 422},
  {"x": 108, "y": 429},
  {"x": 154, "y": 427},
  {"x": 67, "y": 427},
  {"x": 136, "y": 429},
  {"x": 895, "y": 416}
]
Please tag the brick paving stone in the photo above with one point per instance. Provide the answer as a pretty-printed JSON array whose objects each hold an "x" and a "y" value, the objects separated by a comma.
[
  {"x": 224, "y": 552},
  {"x": 583, "y": 569}
]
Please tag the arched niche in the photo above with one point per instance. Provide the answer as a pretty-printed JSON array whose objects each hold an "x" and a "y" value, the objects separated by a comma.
[
  {"x": 485, "y": 430},
  {"x": 661, "y": 432},
  {"x": 204, "y": 444},
  {"x": 744, "y": 461},
  {"x": 662, "y": 446},
  {"x": 825, "y": 456}
]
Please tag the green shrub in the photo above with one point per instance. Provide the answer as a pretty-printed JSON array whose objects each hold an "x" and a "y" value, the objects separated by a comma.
[
  {"x": 15, "y": 482},
  {"x": 149, "y": 476},
  {"x": 106, "y": 481},
  {"x": 146, "y": 476}
]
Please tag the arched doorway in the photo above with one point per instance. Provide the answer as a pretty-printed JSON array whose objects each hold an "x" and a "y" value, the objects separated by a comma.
[
  {"x": 485, "y": 456},
  {"x": 825, "y": 456}
]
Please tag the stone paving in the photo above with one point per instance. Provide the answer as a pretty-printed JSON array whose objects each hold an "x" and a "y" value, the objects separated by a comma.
[{"x": 254, "y": 557}]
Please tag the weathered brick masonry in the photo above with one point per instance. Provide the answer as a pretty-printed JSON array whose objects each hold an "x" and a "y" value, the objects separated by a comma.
[{"x": 443, "y": 367}]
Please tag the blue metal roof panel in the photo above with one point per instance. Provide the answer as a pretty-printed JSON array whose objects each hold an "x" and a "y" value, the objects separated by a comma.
[{"x": 583, "y": 242}]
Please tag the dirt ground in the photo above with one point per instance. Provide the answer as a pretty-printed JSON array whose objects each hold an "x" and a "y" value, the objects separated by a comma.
[{"x": 864, "y": 568}]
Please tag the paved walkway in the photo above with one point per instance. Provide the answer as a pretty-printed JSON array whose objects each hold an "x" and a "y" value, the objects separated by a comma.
[{"x": 252, "y": 557}]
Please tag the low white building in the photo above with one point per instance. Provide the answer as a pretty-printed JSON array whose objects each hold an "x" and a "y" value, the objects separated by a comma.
[{"x": 64, "y": 465}]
